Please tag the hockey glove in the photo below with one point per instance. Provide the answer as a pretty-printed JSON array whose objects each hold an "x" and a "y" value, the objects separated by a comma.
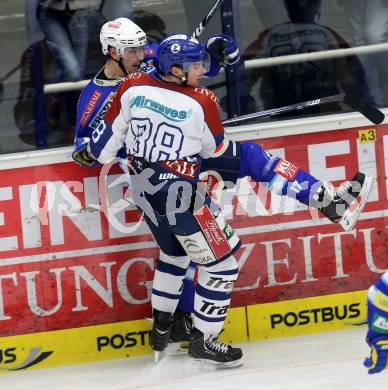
[
  {"x": 224, "y": 49},
  {"x": 377, "y": 361},
  {"x": 81, "y": 154},
  {"x": 150, "y": 60}
]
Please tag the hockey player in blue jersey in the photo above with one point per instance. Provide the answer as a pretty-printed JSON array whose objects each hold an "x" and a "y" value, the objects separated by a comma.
[
  {"x": 239, "y": 159},
  {"x": 377, "y": 336}
]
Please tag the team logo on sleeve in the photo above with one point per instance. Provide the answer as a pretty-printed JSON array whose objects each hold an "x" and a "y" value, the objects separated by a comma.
[
  {"x": 286, "y": 169},
  {"x": 92, "y": 103}
]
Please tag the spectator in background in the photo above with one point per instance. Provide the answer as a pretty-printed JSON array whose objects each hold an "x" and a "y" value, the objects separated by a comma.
[
  {"x": 113, "y": 9},
  {"x": 291, "y": 83},
  {"x": 38, "y": 115},
  {"x": 368, "y": 24},
  {"x": 65, "y": 27},
  {"x": 33, "y": 31}
]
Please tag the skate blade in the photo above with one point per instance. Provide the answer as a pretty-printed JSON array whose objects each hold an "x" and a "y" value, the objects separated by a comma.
[
  {"x": 358, "y": 323},
  {"x": 350, "y": 217},
  {"x": 157, "y": 356},
  {"x": 176, "y": 349},
  {"x": 206, "y": 363}
]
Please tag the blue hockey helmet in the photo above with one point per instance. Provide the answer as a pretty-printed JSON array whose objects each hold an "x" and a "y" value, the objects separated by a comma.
[{"x": 181, "y": 50}]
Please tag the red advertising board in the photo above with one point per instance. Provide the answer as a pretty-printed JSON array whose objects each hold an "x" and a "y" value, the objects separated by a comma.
[{"x": 63, "y": 266}]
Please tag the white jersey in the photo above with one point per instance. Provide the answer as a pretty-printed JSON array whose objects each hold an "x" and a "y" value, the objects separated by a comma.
[{"x": 159, "y": 121}]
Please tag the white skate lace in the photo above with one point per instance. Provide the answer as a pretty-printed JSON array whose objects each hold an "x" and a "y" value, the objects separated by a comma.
[
  {"x": 343, "y": 189},
  {"x": 216, "y": 345}
]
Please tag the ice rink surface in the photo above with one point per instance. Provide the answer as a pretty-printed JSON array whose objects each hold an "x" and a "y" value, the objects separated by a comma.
[{"x": 320, "y": 362}]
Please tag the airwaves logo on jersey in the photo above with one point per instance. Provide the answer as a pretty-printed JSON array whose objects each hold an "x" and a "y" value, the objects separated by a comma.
[{"x": 167, "y": 112}]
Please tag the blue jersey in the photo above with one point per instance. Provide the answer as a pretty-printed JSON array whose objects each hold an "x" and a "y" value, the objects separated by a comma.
[{"x": 93, "y": 103}]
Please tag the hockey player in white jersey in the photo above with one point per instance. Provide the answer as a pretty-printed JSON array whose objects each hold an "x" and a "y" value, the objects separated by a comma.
[
  {"x": 238, "y": 160},
  {"x": 168, "y": 124}
]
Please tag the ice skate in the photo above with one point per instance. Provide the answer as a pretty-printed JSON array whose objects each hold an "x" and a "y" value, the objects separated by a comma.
[
  {"x": 336, "y": 203},
  {"x": 160, "y": 334},
  {"x": 212, "y": 351},
  {"x": 181, "y": 329}
]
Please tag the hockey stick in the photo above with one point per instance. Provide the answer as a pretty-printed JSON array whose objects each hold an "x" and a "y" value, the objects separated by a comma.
[
  {"x": 369, "y": 111},
  {"x": 199, "y": 29}
]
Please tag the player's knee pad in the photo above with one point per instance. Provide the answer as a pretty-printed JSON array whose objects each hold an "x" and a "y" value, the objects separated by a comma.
[
  {"x": 167, "y": 284},
  {"x": 213, "y": 240},
  {"x": 212, "y": 295}
]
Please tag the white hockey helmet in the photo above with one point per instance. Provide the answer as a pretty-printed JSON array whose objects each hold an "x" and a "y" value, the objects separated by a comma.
[{"x": 121, "y": 33}]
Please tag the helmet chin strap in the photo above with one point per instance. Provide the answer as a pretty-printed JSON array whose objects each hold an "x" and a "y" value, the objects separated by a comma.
[
  {"x": 120, "y": 63},
  {"x": 183, "y": 79}
]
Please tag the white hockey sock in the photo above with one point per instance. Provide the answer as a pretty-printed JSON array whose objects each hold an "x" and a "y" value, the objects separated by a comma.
[
  {"x": 168, "y": 281},
  {"x": 212, "y": 296}
]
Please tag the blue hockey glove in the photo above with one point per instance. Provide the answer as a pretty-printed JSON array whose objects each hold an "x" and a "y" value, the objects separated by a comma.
[
  {"x": 81, "y": 154},
  {"x": 150, "y": 61},
  {"x": 378, "y": 360},
  {"x": 224, "y": 48}
]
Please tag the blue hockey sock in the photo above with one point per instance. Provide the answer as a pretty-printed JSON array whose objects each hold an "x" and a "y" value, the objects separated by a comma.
[
  {"x": 186, "y": 301},
  {"x": 282, "y": 177}
]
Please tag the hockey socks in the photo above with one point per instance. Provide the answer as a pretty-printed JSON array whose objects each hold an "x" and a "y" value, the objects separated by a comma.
[
  {"x": 212, "y": 295},
  {"x": 281, "y": 176},
  {"x": 167, "y": 285}
]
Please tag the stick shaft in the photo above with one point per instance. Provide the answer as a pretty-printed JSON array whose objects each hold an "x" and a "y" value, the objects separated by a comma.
[
  {"x": 199, "y": 29},
  {"x": 369, "y": 111}
]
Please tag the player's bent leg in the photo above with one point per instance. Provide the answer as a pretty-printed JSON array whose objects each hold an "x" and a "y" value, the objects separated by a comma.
[
  {"x": 377, "y": 336},
  {"x": 280, "y": 176},
  {"x": 211, "y": 304},
  {"x": 284, "y": 178}
]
